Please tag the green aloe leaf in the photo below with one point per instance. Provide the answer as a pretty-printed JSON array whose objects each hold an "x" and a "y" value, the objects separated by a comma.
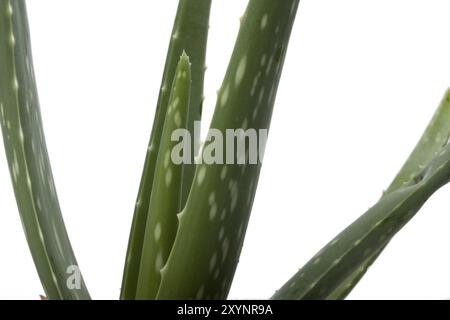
[
  {"x": 166, "y": 198},
  {"x": 338, "y": 267},
  {"x": 431, "y": 143},
  {"x": 213, "y": 223},
  {"x": 189, "y": 33},
  {"x": 435, "y": 138},
  {"x": 28, "y": 160}
]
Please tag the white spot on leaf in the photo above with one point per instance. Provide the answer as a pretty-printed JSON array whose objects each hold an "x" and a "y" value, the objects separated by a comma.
[
  {"x": 225, "y": 248},
  {"x": 264, "y": 21},
  {"x": 201, "y": 175},
  {"x": 15, "y": 84},
  {"x": 157, "y": 232},
  {"x": 159, "y": 261},
  {"x": 223, "y": 173},
  {"x": 167, "y": 159},
  {"x": 212, "y": 262},
  {"x": 10, "y": 9},
  {"x": 168, "y": 177},
  {"x": 240, "y": 72},
  {"x": 178, "y": 119},
  {"x": 212, "y": 211},
  {"x": 12, "y": 40},
  {"x": 224, "y": 96},
  {"x": 263, "y": 60},
  {"x": 223, "y": 215},
  {"x": 221, "y": 233}
]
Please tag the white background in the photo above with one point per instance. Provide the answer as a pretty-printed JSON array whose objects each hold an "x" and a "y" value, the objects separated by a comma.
[{"x": 361, "y": 81}]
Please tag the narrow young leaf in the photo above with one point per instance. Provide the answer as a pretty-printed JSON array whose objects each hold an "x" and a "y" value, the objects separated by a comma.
[
  {"x": 212, "y": 226},
  {"x": 189, "y": 33},
  {"x": 338, "y": 267},
  {"x": 166, "y": 198},
  {"x": 28, "y": 160}
]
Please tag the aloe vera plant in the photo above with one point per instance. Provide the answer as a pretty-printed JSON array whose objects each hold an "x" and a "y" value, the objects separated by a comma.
[
  {"x": 28, "y": 160},
  {"x": 190, "y": 218}
]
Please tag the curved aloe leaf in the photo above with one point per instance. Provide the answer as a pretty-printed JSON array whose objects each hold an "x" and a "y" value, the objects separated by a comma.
[
  {"x": 190, "y": 33},
  {"x": 435, "y": 138},
  {"x": 27, "y": 156},
  {"x": 166, "y": 197},
  {"x": 338, "y": 267},
  {"x": 431, "y": 143},
  {"x": 213, "y": 223}
]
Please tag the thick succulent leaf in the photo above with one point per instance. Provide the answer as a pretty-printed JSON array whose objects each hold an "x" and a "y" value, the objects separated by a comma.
[
  {"x": 27, "y": 156},
  {"x": 431, "y": 143},
  {"x": 166, "y": 198},
  {"x": 435, "y": 138},
  {"x": 338, "y": 267},
  {"x": 190, "y": 33},
  {"x": 213, "y": 223},
  {"x": 346, "y": 286}
]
